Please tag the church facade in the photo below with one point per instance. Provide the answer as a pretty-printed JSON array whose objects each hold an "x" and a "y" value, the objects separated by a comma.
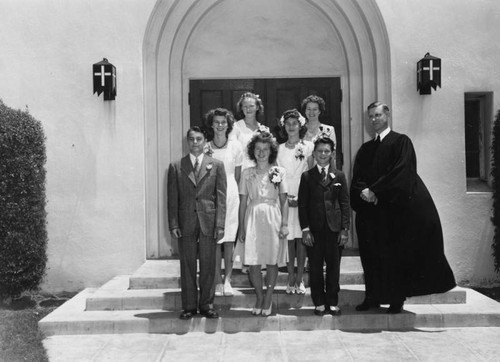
[{"x": 107, "y": 159}]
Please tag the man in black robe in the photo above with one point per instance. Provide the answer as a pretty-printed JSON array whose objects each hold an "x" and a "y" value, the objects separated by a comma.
[{"x": 398, "y": 226}]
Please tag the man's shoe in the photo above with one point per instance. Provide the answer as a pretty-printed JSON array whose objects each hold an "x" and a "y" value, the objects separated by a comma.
[
  {"x": 335, "y": 311},
  {"x": 319, "y": 311},
  {"x": 209, "y": 313},
  {"x": 187, "y": 314},
  {"x": 366, "y": 305},
  {"x": 395, "y": 308}
]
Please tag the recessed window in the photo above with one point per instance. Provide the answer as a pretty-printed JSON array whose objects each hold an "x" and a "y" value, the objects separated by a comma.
[{"x": 478, "y": 121}]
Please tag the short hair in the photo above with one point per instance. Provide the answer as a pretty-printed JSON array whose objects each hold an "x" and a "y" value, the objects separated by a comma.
[
  {"x": 258, "y": 104},
  {"x": 197, "y": 129},
  {"x": 313, "y": 99},
  {"x": 376, "y": 104},
  {"x": 263, "y": 137},
  {"x": 291, "y": 113},
  {"x": 209, "y": 120},
  {"x": 325, "y": 140}
]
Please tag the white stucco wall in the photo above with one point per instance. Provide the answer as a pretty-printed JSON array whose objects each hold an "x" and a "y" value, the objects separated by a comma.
[
  {"x": 464, "y": 35},
  {"x": 95, "y": 149}
]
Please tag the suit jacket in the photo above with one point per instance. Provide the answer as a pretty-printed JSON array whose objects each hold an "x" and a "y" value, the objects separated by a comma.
[
  {"x": 188, "y": 199},
  {"x": 324, "y": 202}
]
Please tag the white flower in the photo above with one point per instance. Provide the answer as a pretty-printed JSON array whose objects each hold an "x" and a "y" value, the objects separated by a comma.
[
  {"x": 276, "y": 179},
  {"x": 332, "y": 175},
  {"x": 209, "y": 166}
]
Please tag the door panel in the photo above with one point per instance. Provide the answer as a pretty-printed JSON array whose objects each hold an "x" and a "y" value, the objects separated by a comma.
[{"x": 278, "y": 95}]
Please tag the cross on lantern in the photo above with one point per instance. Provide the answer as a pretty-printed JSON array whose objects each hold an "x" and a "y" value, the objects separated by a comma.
[{"x": 104, "y": 74}]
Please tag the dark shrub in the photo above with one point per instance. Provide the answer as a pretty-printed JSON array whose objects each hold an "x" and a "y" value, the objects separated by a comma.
[
  {"x": 495, "y": 172},
  {"x": 23, "y": 233}
]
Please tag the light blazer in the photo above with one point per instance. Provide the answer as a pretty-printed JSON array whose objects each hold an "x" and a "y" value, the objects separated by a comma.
[
  {"x": 324, "y": 202},
  {"x": 188, "y": 199}
]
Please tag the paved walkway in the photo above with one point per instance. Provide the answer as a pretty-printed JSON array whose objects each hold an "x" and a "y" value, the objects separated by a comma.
[{"x": 461, "y": 344}]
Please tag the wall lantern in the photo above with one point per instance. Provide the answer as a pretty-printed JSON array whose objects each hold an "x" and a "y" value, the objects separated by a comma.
[
  {"x": 104, "y": 74},
  {"x": 428, "y": 74}
]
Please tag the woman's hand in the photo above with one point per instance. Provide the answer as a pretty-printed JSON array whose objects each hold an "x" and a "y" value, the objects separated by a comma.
[
  {"x": 283, "y": 232},
  {"x": 241, "y": 236}
]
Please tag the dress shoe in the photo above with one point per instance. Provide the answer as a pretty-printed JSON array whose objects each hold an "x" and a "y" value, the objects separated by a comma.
[
  {"x": 267, "y": 312},
  {"x": 395, "y": 308},
  {"x": 228, "y": 289},
  {"x": 366, "y": 305},
  {"x": 300, "y": 289},
  {"x": 320, "y": 311},
  {"x": 257, "y": 311},
  {"x": 187, "y": 314},
  {"x": 335, "y": 311},
  {"x": 209, "y": 313}
]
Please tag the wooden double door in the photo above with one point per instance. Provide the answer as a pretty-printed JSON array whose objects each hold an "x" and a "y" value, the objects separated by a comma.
[{"x": 278, "y": 95}]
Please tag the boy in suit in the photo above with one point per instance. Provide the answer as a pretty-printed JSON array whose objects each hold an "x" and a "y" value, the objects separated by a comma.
[
  {"x": 196, "y": 214},
  {"x": 324, "y": 215}
]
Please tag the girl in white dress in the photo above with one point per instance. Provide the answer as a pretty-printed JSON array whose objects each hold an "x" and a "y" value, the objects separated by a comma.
[
  {"x": 249, "y": 108},
  {"x": 220, "y": 123},
  {"x": 263, "y": 216},
  {"x": 295, "y": 156}
]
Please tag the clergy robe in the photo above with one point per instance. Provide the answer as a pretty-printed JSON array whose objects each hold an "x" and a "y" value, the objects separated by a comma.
[{"x": 403, "y": 231}]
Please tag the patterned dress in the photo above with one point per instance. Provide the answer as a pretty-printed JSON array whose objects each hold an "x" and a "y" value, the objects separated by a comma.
[
  {"x": 262, "y": 219},
  {"x": 294, "y": 167}
]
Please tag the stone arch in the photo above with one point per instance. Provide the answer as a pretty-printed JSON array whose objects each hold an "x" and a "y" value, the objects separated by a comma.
[{"x": 364, "y": 44}]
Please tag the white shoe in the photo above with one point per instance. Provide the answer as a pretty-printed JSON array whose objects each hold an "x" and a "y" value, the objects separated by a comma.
[
  {"x": 228, "y": 290},
  {"x": 301, "y": 289},
  {"x": 290, "y": 289},
  {"x": 219, "y": 290}
]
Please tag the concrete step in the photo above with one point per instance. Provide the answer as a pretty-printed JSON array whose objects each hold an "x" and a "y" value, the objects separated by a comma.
[
  {"x": 71, "y": 318},
  {"x": 163, "y": 274},
  {"x": 115, "y": 295}
]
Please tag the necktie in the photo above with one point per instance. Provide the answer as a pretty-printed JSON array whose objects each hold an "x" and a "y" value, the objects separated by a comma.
[
  {"x": 377, "y": 140},
  {"x": 196, "y": 169},
  {"x": 323, "y": 174}
]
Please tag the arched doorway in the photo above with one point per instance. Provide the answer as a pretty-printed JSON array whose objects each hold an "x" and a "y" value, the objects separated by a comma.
[{"x": 259, "y": 39}]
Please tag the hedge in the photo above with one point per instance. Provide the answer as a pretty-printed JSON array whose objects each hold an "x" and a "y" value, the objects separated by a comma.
[
  {"x": 495, "y": 172},
  {"x": 23, "y": 229}
]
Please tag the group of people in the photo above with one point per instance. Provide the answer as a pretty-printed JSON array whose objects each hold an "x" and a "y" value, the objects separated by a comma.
[{"x": 242, "y": 197}]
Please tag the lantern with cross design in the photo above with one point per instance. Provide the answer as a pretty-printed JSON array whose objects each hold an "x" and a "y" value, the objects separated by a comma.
[
  {"x": 104, "y": 74},
  {"x": 428, "y": 74}
]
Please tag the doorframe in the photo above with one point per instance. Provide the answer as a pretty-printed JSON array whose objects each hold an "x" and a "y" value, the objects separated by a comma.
[{"x": 359, "y": 25}]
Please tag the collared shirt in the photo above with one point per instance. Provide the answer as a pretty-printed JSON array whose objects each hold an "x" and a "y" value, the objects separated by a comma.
[
  {"x": 193, "y": 159},
  {"x": 384, "y": 133},
  {"x": 325, "y": 167}
]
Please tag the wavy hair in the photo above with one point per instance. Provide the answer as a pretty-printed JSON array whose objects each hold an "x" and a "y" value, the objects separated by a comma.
[
  {"x": 209, "y": 120},
  {"x": 313, "y": 99},
  {"x": 291, "y": 113},
  {"x": 258, "y": 104},
  {"x": 263, "y": 137}
]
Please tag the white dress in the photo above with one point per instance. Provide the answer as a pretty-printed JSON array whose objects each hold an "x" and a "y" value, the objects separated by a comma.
[
  {"x": 232, "y": 157},
  {"x": 243, "y": 135},
  {"x": 294, "y": 167}
]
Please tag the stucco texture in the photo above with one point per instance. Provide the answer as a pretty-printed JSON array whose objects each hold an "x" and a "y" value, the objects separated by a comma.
[
  {"x": 95, "y": 149},
  {"x": 464, "y": 35},
  {"x": 97, "y": 165}
]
